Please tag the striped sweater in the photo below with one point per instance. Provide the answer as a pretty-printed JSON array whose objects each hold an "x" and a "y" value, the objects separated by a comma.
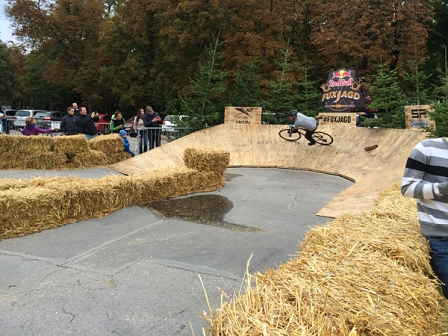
[{"x": 426, "y": 167}]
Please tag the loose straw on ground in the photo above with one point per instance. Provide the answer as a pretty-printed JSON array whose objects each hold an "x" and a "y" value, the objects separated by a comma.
[{"x": 366, "y": 274}]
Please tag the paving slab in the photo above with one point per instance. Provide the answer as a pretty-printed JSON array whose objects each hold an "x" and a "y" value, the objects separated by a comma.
[{"x": 136, "y": 271}]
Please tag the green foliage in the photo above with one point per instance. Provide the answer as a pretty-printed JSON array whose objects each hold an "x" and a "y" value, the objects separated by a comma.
[
  {"x": 247, "y": 88},
  {"x": 6, "y": 75},
  {"x": 441, "y": 91},
  {"x": 389, "y": 100},
  {"x": 309, "y": 93},
  {"x": 440, "y": 116},
  {"x": 282, "y": 96},
  {"x": 206, "y": 102},
  {"x": 417, "y": 78}
]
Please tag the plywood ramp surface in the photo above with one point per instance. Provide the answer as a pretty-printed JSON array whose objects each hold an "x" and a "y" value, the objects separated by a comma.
[{"x": 260, "y": 146}]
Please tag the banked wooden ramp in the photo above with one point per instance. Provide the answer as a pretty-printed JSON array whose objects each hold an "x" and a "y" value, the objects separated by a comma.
[{"x": 259, "y": 146}]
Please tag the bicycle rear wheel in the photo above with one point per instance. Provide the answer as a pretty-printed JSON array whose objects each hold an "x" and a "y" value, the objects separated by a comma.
[
  {"x": 287, "y": 135},
  {"x": 322, "y": 138}
]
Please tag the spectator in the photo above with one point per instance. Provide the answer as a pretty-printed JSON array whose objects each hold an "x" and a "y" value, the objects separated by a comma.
[
  {"x": 117, "y": 122},
  {"x": 77, "y": 110},
  {"x": 70, "y": 124},
  {"x": 124, "y": 137},
  {"x": 32, "y": 129},
  {"x": 425, "y": 178},
  {"x": 152, "y": 119},
  {"x": 366, "y": 112},
  {"x": 88, "y": 123},
  {"x": 2, "y": 121},
  {"x": 142, "y": 133}
]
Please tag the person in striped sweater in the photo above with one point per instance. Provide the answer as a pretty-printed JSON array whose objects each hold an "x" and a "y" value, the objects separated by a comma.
[{"x": 425, "y": 178}]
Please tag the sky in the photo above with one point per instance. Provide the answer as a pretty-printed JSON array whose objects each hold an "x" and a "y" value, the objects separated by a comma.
[{"x": 5, "y": 31}]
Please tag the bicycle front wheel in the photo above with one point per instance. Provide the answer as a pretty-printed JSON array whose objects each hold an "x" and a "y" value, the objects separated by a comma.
[
  {"x": 322, "y": 138},
  {"x": 287, "y": 135}
]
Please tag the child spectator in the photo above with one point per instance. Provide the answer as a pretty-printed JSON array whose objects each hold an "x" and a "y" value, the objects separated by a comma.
[
  {"x": 32, "y": 129},
  {"x": 124, "y": 137}
]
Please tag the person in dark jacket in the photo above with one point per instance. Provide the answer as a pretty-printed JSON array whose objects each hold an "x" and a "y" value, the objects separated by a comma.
[
  {"x": 88, "y": 123},
  {"x": 70, "y": 124},
  {"x": 77, "y": 110},
  {"x": 117, "y": 122},
  {"x": 153, "y": 120}
]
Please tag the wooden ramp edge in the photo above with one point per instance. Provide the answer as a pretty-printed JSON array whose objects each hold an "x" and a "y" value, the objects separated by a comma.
[{"x": 260, "y": 146}]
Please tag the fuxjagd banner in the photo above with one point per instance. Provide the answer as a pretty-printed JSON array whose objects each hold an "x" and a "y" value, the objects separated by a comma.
[{"x": 342, "y": 92}]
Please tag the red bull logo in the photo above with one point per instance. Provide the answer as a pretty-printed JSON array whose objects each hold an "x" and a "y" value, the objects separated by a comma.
[
  {"x": 344, "y": 78},
  {"x": 341, "y": 74}
]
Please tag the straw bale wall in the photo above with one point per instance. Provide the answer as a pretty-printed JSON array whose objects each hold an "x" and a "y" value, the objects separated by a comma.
[
  {"x": 41, "y": 203},
  {"x": 364, "y": 274},
  {"x": 206, "y": 159},
  {"x": 60, "y": 152}
]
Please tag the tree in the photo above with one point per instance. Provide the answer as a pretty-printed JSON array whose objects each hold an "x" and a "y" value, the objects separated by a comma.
[
  {"x": 67, "y": 33},
  {"x": 206, "y": 102},
  {"x": 419, "y": 94},
  {"x": 389, "y": 100},
  {"x": 358, "y": 33},
  {"x": 308, "y": 92},
  {"x": 247, "y": 87},
  {"x": 7, "y": 75},
  {"x": 282, "y": 95}
]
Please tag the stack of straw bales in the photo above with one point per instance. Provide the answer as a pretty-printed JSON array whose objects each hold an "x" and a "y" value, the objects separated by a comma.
[
  {"x": 29, "y": 153},
  {"x": 365, "y": 274},
  {"x": 112, "y": 146},
  {"x": 40, "y": 203},
  {"x": 61, "y": 152}
]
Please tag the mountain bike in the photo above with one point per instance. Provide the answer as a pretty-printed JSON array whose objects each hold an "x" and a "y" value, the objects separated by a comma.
[{"x": 321, "y": 138}]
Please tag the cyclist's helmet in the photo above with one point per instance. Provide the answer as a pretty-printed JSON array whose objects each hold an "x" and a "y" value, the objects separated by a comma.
[{"x": 292, "y": 113}]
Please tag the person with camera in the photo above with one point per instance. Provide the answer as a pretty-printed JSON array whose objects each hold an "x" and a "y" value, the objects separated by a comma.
[
  {"x": 117, "y": 123},
  {"x": 88, "y": 123},
  {"x": 153, "y": 121}
]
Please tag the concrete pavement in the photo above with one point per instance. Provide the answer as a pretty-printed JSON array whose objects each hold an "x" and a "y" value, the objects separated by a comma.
[{"x": 135, "y": 272}]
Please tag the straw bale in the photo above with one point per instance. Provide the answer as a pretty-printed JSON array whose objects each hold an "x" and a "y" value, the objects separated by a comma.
[
  {"x": 207, "y": 159},
  {"x": 110, "y": 143},
  {"x": 30, "y": 145},
  {"x": 7, "y": 159},
  {"x": 43, "y": 203},
  {"x": 72, "y": 144},
  {"x": 401, "y": 241},
  {"x": 91, "y": 158},
  {"x": 167, "y": 183},
  {"x": 115, "y": 157},
  {"x": 62, "y": 200},
  {"x": 367, "y": 295},
  {"x": 7, "y": 141},
  {"x": 366, "y": 274},
  {"x": 47, "y": 160}
]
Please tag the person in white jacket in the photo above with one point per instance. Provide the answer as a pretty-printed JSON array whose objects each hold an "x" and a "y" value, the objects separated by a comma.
[
  {"x": 309, "y": 124},
  {"x": 425, "y": 178}
]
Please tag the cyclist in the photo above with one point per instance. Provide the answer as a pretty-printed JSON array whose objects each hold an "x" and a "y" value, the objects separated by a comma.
[{"x": 300, "y": 120}]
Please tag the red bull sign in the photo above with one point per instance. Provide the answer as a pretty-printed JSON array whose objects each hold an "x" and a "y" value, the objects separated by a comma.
[{"x": 342, "y": 92}]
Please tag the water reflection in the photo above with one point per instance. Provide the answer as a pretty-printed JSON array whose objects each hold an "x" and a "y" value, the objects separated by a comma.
[{"x": 204, "y": 209}]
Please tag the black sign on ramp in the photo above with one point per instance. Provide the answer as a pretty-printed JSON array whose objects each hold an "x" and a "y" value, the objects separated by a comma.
[{"x": 342, "y": 92}]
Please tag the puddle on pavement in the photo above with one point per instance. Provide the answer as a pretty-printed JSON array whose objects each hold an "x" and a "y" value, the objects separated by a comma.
[
  {"x": 203, "y": 209},
  {"x": 229, "y": 176}
]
